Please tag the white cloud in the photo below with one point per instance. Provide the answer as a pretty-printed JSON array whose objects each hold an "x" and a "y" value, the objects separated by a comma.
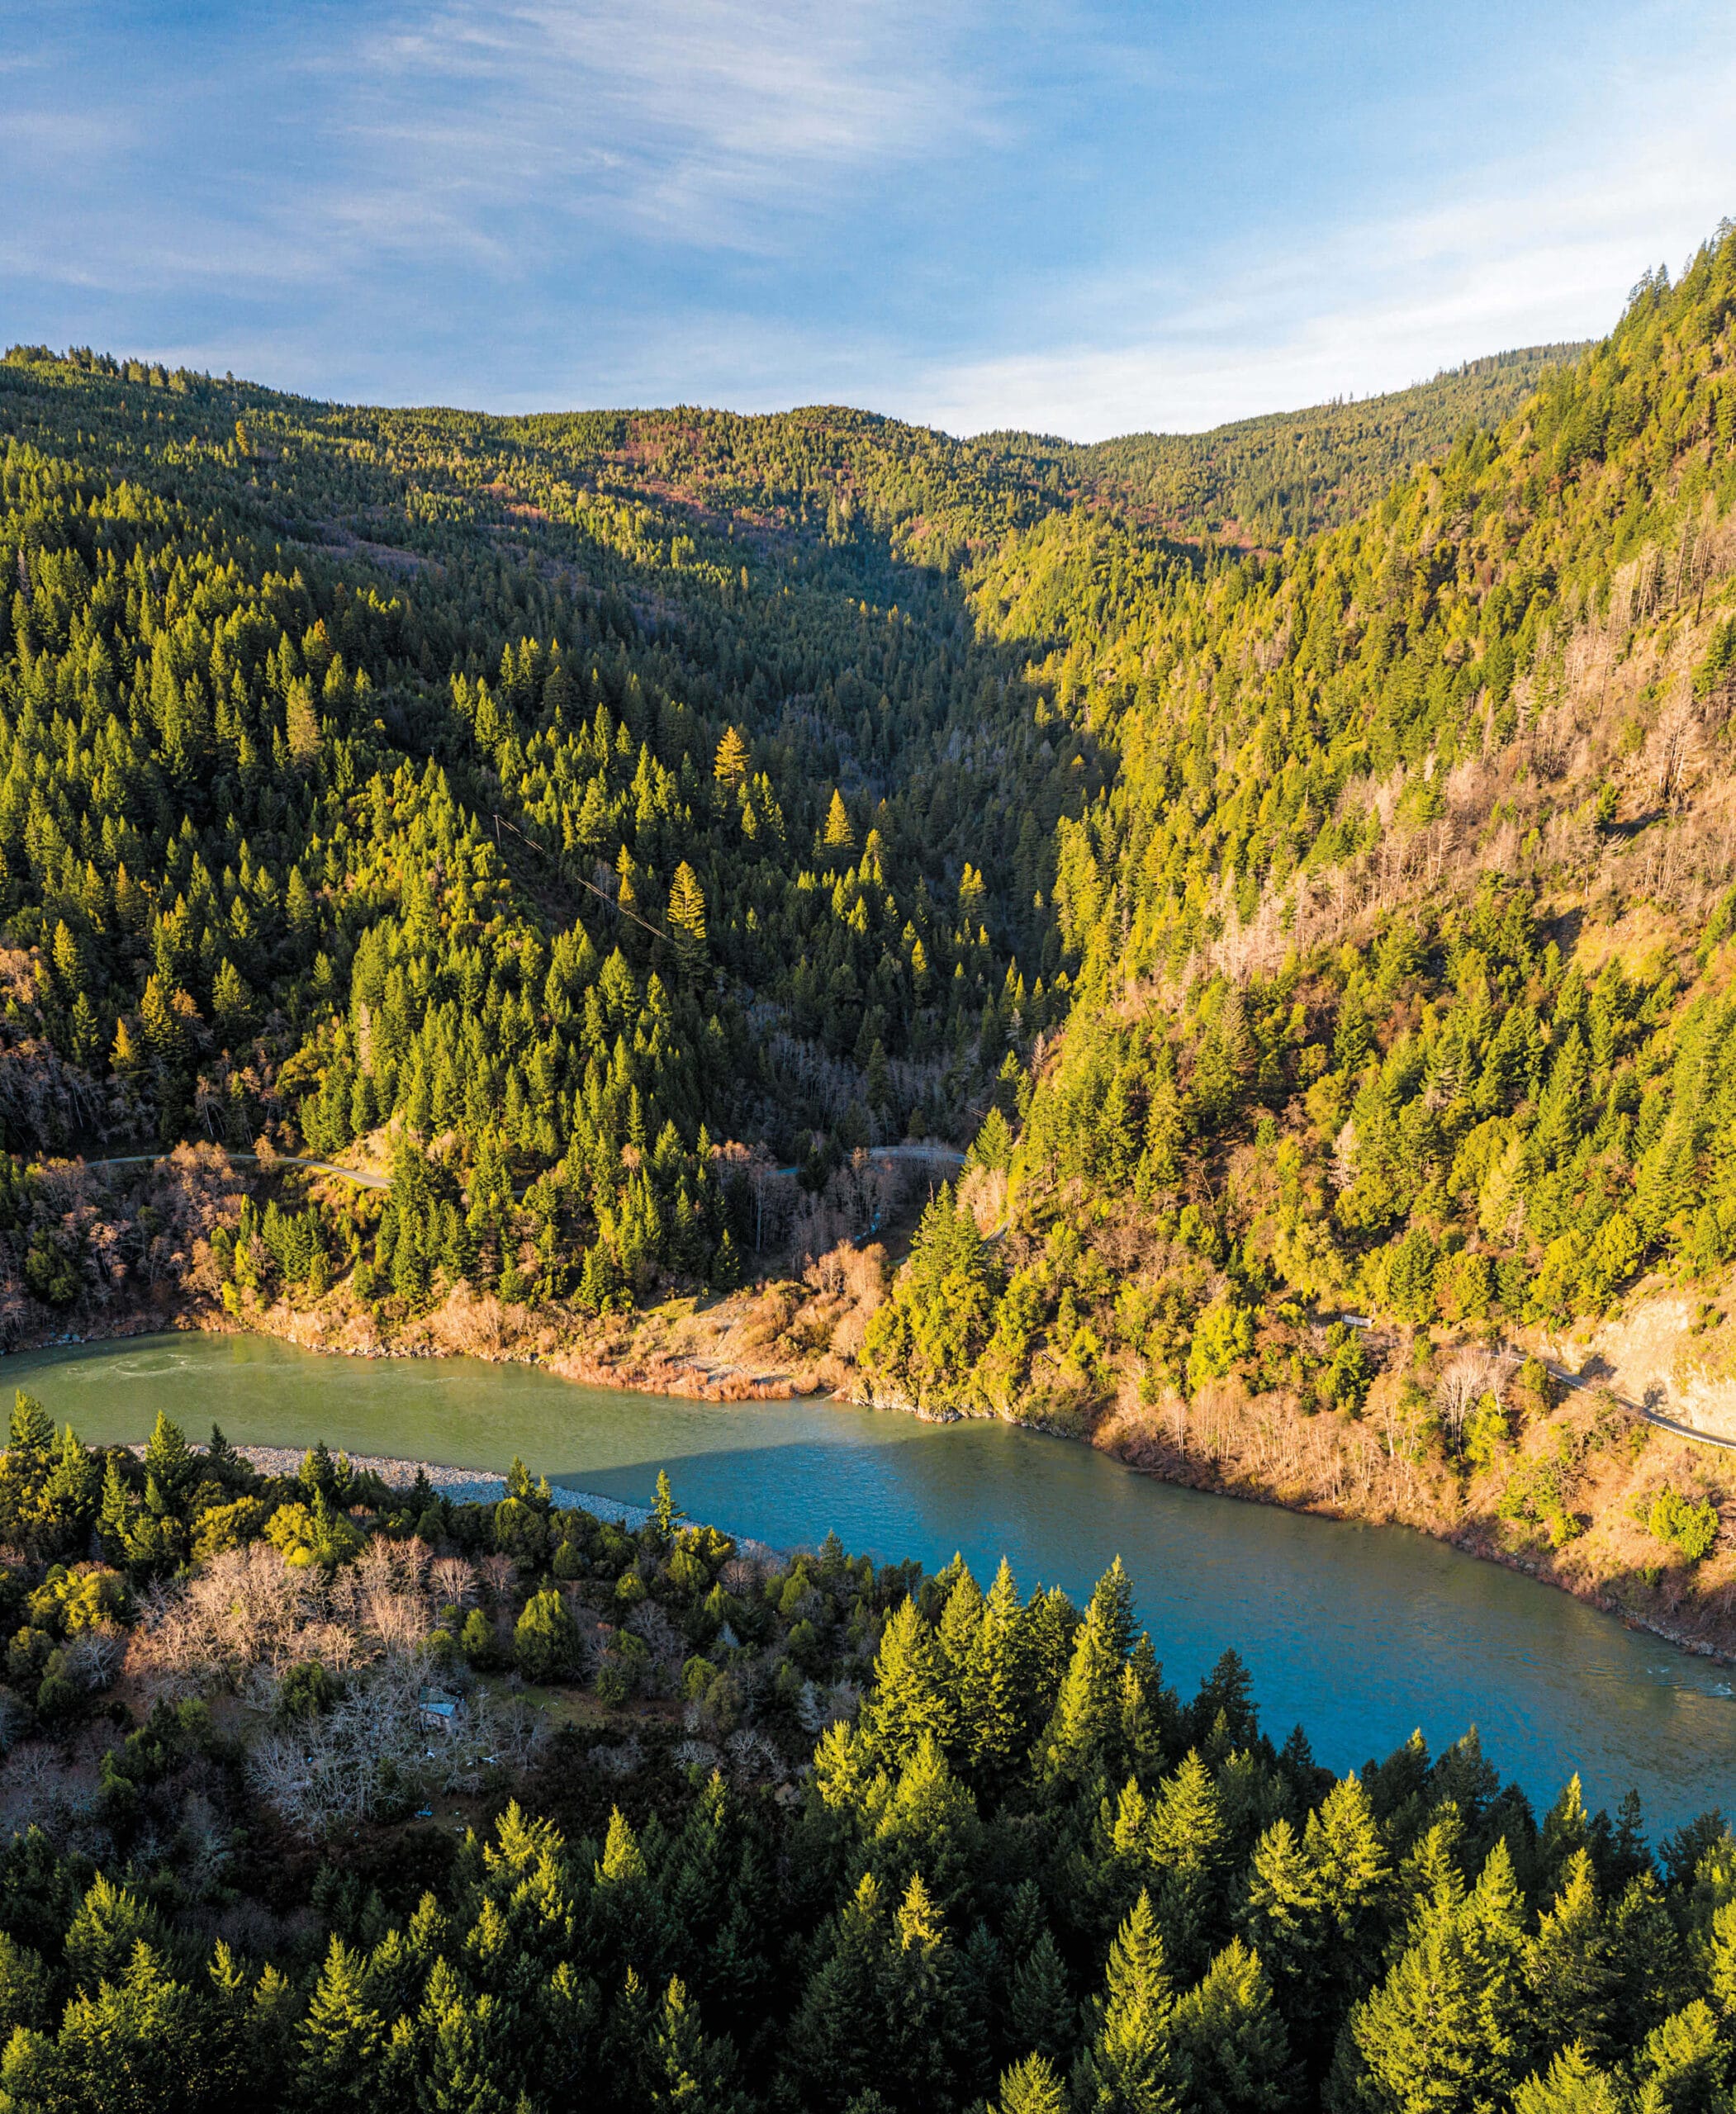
[
  {"x": 1531, "y": 250},
  {"x": 717, "y": 122}
]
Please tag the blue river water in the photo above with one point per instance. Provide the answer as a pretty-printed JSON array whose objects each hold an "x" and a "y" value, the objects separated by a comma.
[{"x": 1359, "y": 1633}]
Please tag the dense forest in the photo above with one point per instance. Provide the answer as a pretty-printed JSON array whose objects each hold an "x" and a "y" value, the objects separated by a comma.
[
  {"x": 1290, "y": 473},
  {"x": 327, "y": 1794},
  {"x": 608, "y": 832}
]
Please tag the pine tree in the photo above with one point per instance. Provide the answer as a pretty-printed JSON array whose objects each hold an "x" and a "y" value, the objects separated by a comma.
[
  {"x": 1567, "y": 1966},
  {"x": 1228, "y": 2032},
  {"x": 1040, "y": 2010},
  {"x": 1721, "y": 1961},
  {"x": 993, "y": 1684},
  {"x": 960, "y": 1612},
  {"x": 1130, "y": 2066},
  {"x": 1445, "y": 2030},
  {"x": 170, "y": 1461},
  {"x": 1186, "y": 1843},
  {"x": 834, "y": 2042},
  {"x": 927, "y": 1828},
  {"x": 545, "y": 1640},
  {"x": 1032, "y": 2087},
  {"x": 666, "y": 1513},
  {"x": 1573, "y": 2084},
  {"x": 1282, "y": 1916},
  {"x": 910, "y": 1693},
  {"x": 837, "y": 834},
  {"x": 690, "y": 2074},
  {"x": 343, "y": 2037},
  {"x": 114, "y": 1519},
  {"x": 732, "y": 763},
  {"x": 111, "y": 1922},
  {"x": 1686, "y": 2065},
  {"x": 687, "y": 922},
  {"x": 1352, "y": 1877},
  {"x": 69, "y": 1497},
  {"x": 32, "y": 1432},
  {"x": 1087, "y": 1708}
]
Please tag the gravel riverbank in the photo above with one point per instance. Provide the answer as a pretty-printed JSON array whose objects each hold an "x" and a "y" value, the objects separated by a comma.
[
  {"x": 471, "y": 1486},
  {"x": 461, "y": 1485}
]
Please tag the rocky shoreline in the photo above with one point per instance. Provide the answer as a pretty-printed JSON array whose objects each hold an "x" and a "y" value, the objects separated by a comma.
[
  {"x": 587, "y": 1368},
  {"x": 469, "y": 1487},
  {"x": 459, "y": 1485}
]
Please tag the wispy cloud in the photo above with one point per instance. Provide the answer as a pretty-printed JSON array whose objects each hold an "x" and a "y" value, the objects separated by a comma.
[
  {"x": 708, "y": 123},
  {"x": 1530, "y": 249},
  {"x": 1064, "y": 213}
]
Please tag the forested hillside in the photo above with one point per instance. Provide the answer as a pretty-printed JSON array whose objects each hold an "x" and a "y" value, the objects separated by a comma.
[
  {"x": 1400, "y": 942},
  {"x": 1290, "y": 473},
  {"x": 430, "y": 772},
  {"x": 608, "y": 826},
  {"x": 328, "y": 1793},
  {"x": 584, "y": 814}
]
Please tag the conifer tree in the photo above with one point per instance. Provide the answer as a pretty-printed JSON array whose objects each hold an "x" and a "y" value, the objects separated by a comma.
[
  {"x": 1283, "y": 1917},
  {"x": 687, "y": 922},
  {"x": 1228, "y": 2032},
  {"x": 1567, "y": 1966},
  {"x": 342, "y": 2038},
  {"x": 110, "y": 1923},
  {"x": 689, "y": 2073},
  {"x": 1572, "y": 2085},
  {"x": 169, "y": 1461},
  {"x": 1131, "y": 2065},
  {"x": 992, "y": 1684},
  {"x": 1088, "y": 1710},
  {"x": 731, "y": 764},
  {"x": 960, "y": 1617},
  {"x": 1446, "y": 2029},
  {"x": 1149, "y": 1716},
  {"x": 837, "y": 834},
  {"x": 912, "y": 1695},
  {"x": 1186, "y": 1843},
  {"x": 32, "y": 1431},
  {"x": 546, "y": 1639},
  {"x": 1352, "y": 1877},
  {"x": 1032, "y": 2087},
  {"x": 1040, "y": 2010}
]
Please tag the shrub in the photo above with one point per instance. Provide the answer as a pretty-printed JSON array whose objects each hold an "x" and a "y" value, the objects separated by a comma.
[
  {"x": 626, "y": 1660},
  {"x": 1692, "y": 1528},
  {"x": 478, "y": 1641},
  {"x": 546, "y": 1642}
]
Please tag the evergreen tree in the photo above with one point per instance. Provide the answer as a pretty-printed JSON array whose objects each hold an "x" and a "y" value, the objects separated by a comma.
[
  {"x": 545, "y": 1640},
  {"x": 1040, "y": 2010},
  {"x": 343, "y": 2037},
  {"x": 1132, "y": 2065},
  {"x": 992, "y": 1684},
  {"x": 1186, "y": 1843},
  {"x": 912, "y": 1695},
  {"x": 1567, "y": 1967},
  {"x": 169, "y": 1461},
  {"x": 1573, "y": 2084},
  {"x": 1228, "y": 2032},
  {"x": 1032, "y": 2087},
  {"x": 1087, "y": 1708},
  {"x": 837, "y": 834},
  {"x": 1446, "y": 2029}
]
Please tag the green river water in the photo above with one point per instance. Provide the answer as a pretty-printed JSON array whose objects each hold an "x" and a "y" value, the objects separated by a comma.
[{"x": 1360, "y": 1633}]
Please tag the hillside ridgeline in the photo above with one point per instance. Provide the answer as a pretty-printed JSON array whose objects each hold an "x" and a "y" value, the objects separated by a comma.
[{"x": 611, "y": 827}]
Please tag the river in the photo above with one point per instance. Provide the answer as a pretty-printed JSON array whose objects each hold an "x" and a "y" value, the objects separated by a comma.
[{"x": 1360, "y": 1633}]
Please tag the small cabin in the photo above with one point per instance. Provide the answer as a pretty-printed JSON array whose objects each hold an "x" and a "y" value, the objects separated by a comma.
[{"x": 437, "y": 1711}]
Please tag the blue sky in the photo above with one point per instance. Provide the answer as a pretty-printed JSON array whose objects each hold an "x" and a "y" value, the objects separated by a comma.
[{"x": 1080, "y": 218}]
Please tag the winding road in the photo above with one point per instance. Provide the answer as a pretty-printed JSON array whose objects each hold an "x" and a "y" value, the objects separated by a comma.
[
  {"x": 280, "y": 1159},
  {"x": 951, "y": 1157}
]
